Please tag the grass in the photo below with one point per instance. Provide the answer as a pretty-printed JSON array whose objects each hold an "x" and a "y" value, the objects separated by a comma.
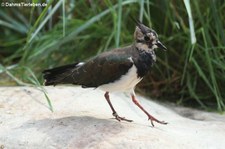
[{"x": 191, "y": 72}]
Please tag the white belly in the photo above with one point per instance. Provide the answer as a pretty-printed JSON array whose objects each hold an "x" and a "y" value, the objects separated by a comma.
[{"x": 125, "y": 83}]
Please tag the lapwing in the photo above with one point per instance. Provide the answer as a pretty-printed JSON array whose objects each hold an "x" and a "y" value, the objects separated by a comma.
[{"x": 116, "y": 70}]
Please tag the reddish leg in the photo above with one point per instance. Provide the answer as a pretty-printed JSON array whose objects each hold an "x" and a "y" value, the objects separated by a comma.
[
  {"x": 113, "y": 110},
  {"x": 150, "y": 117}
]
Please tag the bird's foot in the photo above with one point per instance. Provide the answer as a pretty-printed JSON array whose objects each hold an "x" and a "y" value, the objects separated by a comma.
[
  {"x": 117, "y": 117},
  {"x": 151, "y": 118}
]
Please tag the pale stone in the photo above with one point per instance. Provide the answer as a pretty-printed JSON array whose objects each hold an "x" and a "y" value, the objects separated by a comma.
[{"x": 83, "y": 119}]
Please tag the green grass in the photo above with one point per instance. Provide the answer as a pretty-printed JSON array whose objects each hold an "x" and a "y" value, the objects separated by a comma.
[{"x": 191, "y": 72}]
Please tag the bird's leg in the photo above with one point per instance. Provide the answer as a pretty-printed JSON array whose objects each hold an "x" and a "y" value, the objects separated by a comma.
[
  {"x": 113, "y": 110},
  {"x": 150, "y": 117}
]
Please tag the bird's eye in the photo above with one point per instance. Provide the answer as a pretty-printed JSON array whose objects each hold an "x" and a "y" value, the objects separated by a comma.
[{"x": 146, "y": 38}]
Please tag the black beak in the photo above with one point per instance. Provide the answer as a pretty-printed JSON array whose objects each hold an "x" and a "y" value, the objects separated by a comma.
[{"x": 161, "y": 46}]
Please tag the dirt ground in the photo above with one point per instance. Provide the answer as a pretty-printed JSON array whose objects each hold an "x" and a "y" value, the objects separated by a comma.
[{"x": 82, "y": 119}]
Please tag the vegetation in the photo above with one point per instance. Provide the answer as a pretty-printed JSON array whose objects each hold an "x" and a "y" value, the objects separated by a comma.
[{"x": 191, "y": 72}]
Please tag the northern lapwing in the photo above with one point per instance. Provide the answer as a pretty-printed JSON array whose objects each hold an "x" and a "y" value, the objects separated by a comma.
[{"x": 115, "y": 70}]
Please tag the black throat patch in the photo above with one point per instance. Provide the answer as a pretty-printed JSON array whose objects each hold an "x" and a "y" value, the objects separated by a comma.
[{"x": 144, "y": 62}]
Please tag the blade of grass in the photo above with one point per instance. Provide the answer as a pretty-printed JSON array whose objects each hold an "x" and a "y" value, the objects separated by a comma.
[
  {"x": 216, "y": 90},
  {"x": 37, "y": 85},
  {"x": 33, "y": 35},
  {"x": 87, "y": 24},
  {"x": 2, "y": 68},
  {"x": 217, "y": 21},
  {"x": 64, "y": 18},
  {"x": 9, "y": 25},
  {"x": 118, "y": 26},
  {"x": 13, "y": 77},
  {"x": 148, "y": 14},
  {"x": 21, "y": 17},
  {"x": 16, "y": 24},
  {"x": 190, "y": 19},
  {"x": 192, "y": 89},
  {"x": 141, "y": 12}
]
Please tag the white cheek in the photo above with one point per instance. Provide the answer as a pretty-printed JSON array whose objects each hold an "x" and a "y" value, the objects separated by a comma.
[
  {"x": 152, "y": 36},
  {"x": 154, "y": 46}
]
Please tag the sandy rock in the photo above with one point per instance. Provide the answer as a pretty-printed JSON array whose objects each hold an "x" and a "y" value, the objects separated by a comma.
[{"x": 82, "y": 119}]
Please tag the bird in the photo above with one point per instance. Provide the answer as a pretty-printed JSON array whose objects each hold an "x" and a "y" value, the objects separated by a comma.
[{"x": 116, "y": 70}]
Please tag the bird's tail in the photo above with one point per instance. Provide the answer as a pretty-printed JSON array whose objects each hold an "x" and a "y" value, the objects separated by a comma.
[{"x": 59, "y": 75}]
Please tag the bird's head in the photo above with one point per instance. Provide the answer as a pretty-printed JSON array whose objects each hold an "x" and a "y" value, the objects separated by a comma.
[{"x": 146, "y": 38}]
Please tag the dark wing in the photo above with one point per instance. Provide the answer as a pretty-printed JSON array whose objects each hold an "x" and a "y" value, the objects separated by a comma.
[{"x": 103, "y": 69}]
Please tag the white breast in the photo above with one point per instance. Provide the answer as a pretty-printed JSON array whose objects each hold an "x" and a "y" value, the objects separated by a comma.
[{"x": 125, "y": 83}]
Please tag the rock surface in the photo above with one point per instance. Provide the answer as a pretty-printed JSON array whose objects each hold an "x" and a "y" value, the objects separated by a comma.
[{"x": 82, "y": 119}]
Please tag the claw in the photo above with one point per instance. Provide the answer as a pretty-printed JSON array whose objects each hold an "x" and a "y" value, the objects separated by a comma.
[
  {"x": 151, "y": 122},
  {"x": 154, "y": 119},
  {"x": 150, "y": 117},
  {"x": 117, "y": 117}
]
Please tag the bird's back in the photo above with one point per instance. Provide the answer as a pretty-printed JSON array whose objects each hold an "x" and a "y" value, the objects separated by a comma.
[{"x": 102, "y": 69}]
